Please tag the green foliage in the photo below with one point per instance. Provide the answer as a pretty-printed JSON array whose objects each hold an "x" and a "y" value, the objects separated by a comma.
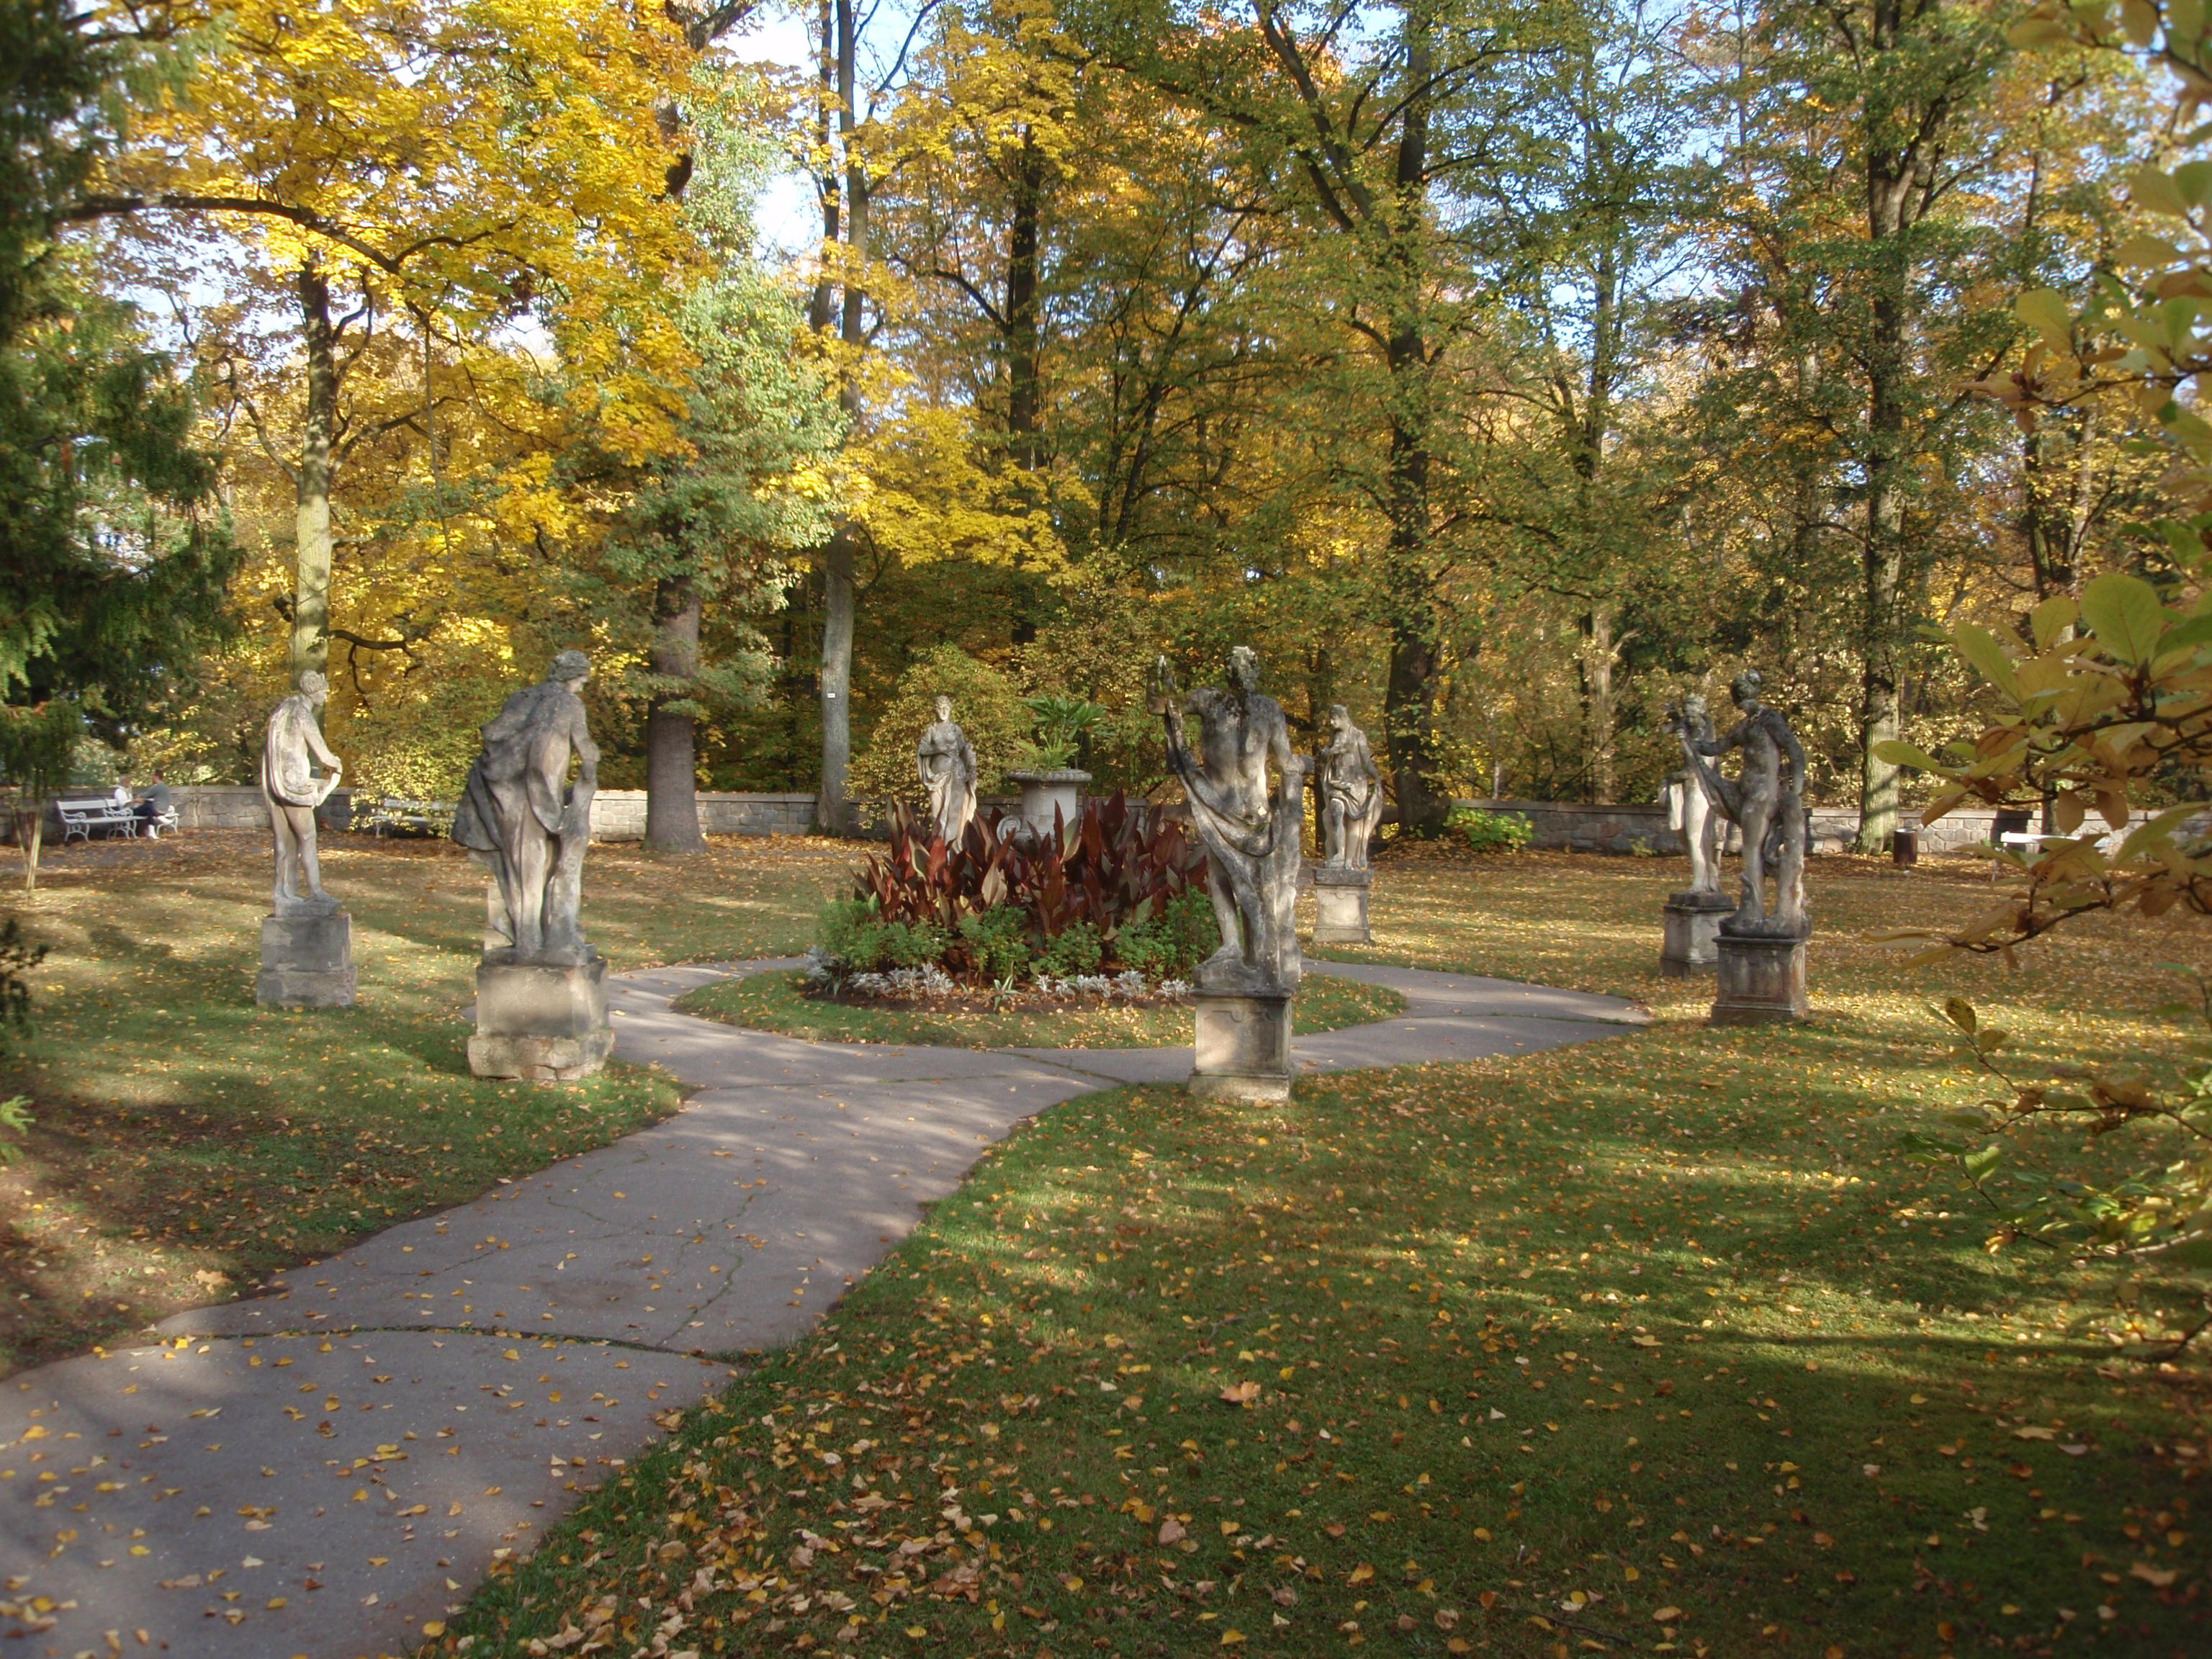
[
  {"x": 1060, "y": 724},
  {"x": 1074, "y": 949},
  {"x": 997, "y": 942},
  {"x": 15, "y": 1120},
  {"x": 17, "y": 959},
  {"x": 1491, "y": 832},
  {"x": 417, "y": 741},
  {"x": 985, "y": 702},
  {"x": 1171, "y": 941},
  {"x": 856, "y": 936}
]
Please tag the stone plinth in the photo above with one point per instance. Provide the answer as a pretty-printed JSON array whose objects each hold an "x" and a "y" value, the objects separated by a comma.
[
  {"x": 543, "y": 1022},
  {"x": 307, "y": 960},
  {"x": 1243, "y": 1047},
  {"x": 1340, "y": 906},
  {"x": 1047, "y": 794},
  {"x": 1691, "y": 944},
  {"x": 1762, "y": 982}
]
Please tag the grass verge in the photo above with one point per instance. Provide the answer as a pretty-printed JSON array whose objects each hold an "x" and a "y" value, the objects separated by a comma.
[
  {"x": 1654, "y": 1344},
  {"x": 189, "y": 1143},
  {"x": 776, "y": 1002}
]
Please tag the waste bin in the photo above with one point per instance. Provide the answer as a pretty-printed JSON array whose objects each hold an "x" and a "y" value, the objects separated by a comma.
[{"x": 1904, "y": 846}]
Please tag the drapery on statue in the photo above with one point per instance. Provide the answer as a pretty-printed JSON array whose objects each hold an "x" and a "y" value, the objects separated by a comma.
[
  {"x": 1350, "y": 793},
  {"x": 1692, "y": 805},
  {"x": 294, "y": 742},
  {"x": 1252, "y": 834},
  {"x": 520, "y": 813},
  {"x": 1767, "y": 802},
  {"x": 946, "y": 760}
]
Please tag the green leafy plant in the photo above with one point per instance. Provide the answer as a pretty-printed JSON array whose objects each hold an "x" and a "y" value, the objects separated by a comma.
[
  {"x": 17, "y": 959},
  {"x": 996, "y": 943},
  {"x": 1170, "y": 944},
  {"x": 15, "y": 1120},
  {"x": 855, "y": 934},
  {"x": 1075, "y": 949},
  {"x": 1491, "y": 832},
  {"x": 2155, "y": 1223},
  {"x": 1061, "y": 725}
]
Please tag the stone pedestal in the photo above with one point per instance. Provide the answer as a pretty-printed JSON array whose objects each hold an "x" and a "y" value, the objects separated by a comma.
[
  {"x": 1692, "y": 931},
  {"x": 1045, "y": 794},
  {"x": 1762, "y": 982},
  {"x": 1243, "y": 1047},
  {"x": 541, "y": 1021},
  {"x": 1340, "y": 906},
  {"x": 307, "y": 960}
]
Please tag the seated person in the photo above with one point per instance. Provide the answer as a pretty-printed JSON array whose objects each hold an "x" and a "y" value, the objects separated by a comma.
[{"x": 154, "y": 806}]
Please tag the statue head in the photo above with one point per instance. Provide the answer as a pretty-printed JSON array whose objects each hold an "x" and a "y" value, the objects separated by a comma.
[
  {"x": 1339, "y": 718},
  {"x": 943, "y": 710},
  {"x": 570, "y": 668},
  {"x": 1244, "y": 669},
  {"x": 1747, "y": 688},
  {"x": 315, "y": 689},
  {"x": 1694, "y": 708}
]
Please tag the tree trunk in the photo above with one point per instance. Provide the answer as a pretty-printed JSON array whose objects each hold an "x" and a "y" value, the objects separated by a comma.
[
  {"x": 1882, "y": 556},
  {"x": 672, "y": 767},
  {"x": 839, "y": 596},
  {"x": 311, "y": 589},
  {"x": 1599, "y": 649},
  {"x": 33, "y": 835},
  {"x": 837, "y": 609},
  {"x": 1023, "y": 343}
]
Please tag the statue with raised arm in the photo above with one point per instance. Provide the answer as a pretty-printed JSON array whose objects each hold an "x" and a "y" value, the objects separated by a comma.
[
  {"x": 290, "y": 751},
  {"x": 1350, "y": 793},
  {"x": 1252, "y": 831},
  {"x": 1767, "y": 802},
  {"x": 946, "y": 760},
  {"x": 520, "y": 813},
  {"x": 1692, "y": 807}
]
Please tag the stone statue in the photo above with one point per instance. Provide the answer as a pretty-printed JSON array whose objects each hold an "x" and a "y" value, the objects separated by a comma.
[
  {"x": 1692, "y": 806},
  {"x": 1252, "y": 834},
  {"x": 295, "y": 744},
  {"x": 520, "y": 813},
  {"x": 1350, "y": 793},
  {"x": 1767, "y": 802},
  {"x": 946, "y": 760}
]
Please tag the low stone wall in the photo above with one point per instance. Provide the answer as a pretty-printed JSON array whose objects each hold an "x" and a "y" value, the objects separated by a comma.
[
  {"x": 617, "y": 814},
  {"x": 1567, "y": 826}
]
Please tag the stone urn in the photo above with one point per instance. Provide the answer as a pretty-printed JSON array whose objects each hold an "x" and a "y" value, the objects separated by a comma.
[{"x": 1045, "y": 793}]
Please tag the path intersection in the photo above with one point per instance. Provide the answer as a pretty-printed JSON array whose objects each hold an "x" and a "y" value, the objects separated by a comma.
[{"x": 323, "y": 1471}]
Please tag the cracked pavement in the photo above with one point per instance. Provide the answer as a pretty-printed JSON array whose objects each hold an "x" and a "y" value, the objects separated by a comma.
[{"x": 320, "y": 1472}]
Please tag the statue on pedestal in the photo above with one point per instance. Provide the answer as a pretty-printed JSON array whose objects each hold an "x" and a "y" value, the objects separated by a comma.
[
  {"x": 1766, "y": 803},
  {"x": 946, "y": 761},
  {"x": 292, "y": 748},
  {"x": 519, "y": 811},
  {"x": 1252, "y": 832},
  {"x": 1350, "y": 793},
  {"x": 307, "y": 941}
]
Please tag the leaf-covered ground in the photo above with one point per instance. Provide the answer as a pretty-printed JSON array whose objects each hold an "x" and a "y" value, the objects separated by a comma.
[
  {"x": 774, "y": 1002},
  {"x": 188, "y": 1144},
  {"x": 1654, "y": 1344}
]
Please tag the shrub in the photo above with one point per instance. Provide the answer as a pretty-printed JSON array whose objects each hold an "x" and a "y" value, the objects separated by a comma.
[
  {"x": 996, "y": 943},
  {"x": 856, "y": 936},
  {"x": 16, "y": 960},
  {"x": 1170, "y": 944},
  {"x": 985, "y": 702},
  {"x": 1075, "y": 949},
  {"x": 1491, "y": 832}
]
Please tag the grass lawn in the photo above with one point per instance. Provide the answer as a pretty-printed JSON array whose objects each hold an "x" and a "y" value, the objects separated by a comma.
[
  {"x": 1654, "y": 1345},
  {"x": 773, "y": 1002},
  {"x": 189, "y": 1143}
]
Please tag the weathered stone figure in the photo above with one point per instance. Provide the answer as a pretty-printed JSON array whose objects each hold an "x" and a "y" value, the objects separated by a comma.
[
  {"x": 520, "y": 809},
  {"x": 1251, "y": 832},
  {"x": 292, "y": 747},
  {"x": 1350, "y": 793},
  {"x": 1692, "y": 806},
  {"x": 946, "y": 760},
  {"x": 1767, "y": 802},
  {"x": 306, "y": 942}
]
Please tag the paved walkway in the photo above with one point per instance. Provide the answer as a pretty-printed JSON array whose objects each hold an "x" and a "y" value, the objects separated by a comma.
[{"x": 322, "y": 1471}]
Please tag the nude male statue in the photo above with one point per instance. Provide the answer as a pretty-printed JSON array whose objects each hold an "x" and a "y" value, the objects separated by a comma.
[
  {"x": 520, "y": 811},
  {"x": 1250, "y": 833},
  {"x": 1766, "y": 804},
  {"x": 293, "y": 744}
]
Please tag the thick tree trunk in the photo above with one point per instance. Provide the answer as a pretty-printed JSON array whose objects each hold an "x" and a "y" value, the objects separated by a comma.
[
  {"x": 1882, "y": 555},
  {"x": 1022, "y": 339},
  {"x": 311, "y": 588},
  {"x": 671, "y": 766},
  {"x": 1599, "y": 650},
  {"x": 837, "y": 609},
  {"x": 839, "y": 597}
]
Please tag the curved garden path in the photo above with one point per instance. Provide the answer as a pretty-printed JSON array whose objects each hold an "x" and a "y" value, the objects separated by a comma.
[{"x": 323, "y": 1470}]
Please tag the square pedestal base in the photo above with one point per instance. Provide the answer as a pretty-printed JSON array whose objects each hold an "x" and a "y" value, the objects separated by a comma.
[
  {"x": 1762, "y": 982},
  {"x": 306, "y": 962},
  {"x": 541, "y": 1022},
  {"x": 1692, "y": 943},
  {"x": 1243, "y": 1047},
  {"x": 1340, "y": 907}
]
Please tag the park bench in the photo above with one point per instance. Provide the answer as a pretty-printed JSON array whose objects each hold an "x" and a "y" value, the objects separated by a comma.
[
  {"x": 2031, "y": 840},
  {"x": 391, "y": 816},
  {"x": 81, "y": 817}
]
